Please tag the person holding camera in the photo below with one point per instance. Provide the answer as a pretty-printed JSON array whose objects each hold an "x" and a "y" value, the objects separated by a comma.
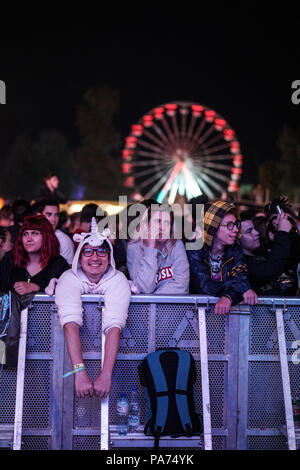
[{"x": 266, "y": 267}]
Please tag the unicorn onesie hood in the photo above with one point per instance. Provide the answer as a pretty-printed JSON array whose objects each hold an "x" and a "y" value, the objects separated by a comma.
[
  {"x": 74, "y": 282},
  {"x": 94, "y": 239}
]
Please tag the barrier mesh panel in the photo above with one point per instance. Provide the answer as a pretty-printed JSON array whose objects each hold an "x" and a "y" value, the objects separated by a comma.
[
  {"x": 177, "y": 326},
  {"x": 267, "y": 443},
  {"x": 134, "y": 337},
  {"x": 266, "y": 406},
  {"x": 86, "y": 443},
  {"x": 8, "y": 382},
  {"x": 263, "y": 332},
  {"x": 40, "y": 327},
  {"x": 37, "y": 393},
  {"x": 90, "y": 332},
  {"x": 87, "y": 413},
  {"x": 36, "y": 443}
]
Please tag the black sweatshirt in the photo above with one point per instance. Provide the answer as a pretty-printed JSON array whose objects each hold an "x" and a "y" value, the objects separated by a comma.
[{"x": 275, "y": 272}]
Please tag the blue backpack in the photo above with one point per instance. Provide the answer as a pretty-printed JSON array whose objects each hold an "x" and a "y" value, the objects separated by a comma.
[{"x": 168, "y": 377}]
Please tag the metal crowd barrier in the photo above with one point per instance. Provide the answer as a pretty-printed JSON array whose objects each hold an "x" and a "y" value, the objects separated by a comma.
[{"x": 253, "y": 369}]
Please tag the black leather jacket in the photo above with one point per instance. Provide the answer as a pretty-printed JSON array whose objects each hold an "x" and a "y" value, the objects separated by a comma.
[{"x": 233, "y": 275}]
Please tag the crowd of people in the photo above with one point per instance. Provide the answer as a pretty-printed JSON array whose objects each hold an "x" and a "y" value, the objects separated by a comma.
[{"x": 243, "y": 255}]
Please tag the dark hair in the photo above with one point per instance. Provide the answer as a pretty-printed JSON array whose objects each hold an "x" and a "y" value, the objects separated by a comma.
[
  {"x": 49, "y": 175},
  {"x": 47, "y": 202},
  {"x": 63, "y": 218},
  {"x": 73, "y": 218},
  {"x": 199, "y": 200},
  {"x": 21, "y": 209},
  {"x": 260, "y": 225},
  {"x": 6, "y": 212},
  {"x": 3, "y": 233},
  {"x": 284, "y": 205},
  {"x": 37, "y": 208},
  {"x": 88, "y": 211},
  {"x": 248, "y": 214}
]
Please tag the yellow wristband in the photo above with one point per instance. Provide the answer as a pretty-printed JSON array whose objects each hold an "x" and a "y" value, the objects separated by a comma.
[{"x": 78, "y": 366}]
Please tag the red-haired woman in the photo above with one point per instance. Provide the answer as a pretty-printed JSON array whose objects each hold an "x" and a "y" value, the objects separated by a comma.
[{"x": 36, "y": 257}]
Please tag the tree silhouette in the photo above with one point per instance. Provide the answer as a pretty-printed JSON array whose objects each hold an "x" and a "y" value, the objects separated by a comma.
[
  {"x": 98, "y": 159},
  {"x": 282, "y": 176},
  {"x": 28, "y": 162},
  {"x": 289, "y": 145}
]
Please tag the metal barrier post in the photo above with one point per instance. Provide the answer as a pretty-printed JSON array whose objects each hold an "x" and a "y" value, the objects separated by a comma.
[
  {"x": 20, "y": 381},
  {"x": 205, "y": 380},
  {"x": 104, "y": 407},
  {"x": 285, "y": 381}
]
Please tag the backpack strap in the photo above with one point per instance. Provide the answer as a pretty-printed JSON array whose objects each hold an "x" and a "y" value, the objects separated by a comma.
[
  {"x": 183, "y": 370},
  {"x": 161, "y": 392}
]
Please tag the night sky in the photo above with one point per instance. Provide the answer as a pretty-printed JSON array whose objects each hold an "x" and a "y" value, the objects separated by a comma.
[{"x": 242, "y": 66}]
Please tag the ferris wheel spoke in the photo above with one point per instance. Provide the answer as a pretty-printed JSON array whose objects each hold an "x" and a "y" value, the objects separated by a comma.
[
  {"x": 160, "y": 132},
  {"x": 183, "y": 125},
  {"x": 175, "y": 127},
  {"x": 219, "y": 176},
  {"x": 219, "y": 166},
  {"x": 204, "y": 187},
  {"x": 191, "y": 184},
  {"x": 199, "y": 130},
  {"x": 173, "y": 192},
  {"x": 139, "y": 174},
  {"x": 146, "y": 163},
  {"x": 206, "y": 134},
  {"x": 212, "y": 183},
  {"x": 141, "y": 153},
  {"x": 175, "y": 170},
  {"x": 158, "y": 185},
  {"x": 213, "y": 157},
  {"x": 155, "y": 177},
  {"x": 216, "y": 149},
  {"x": 149, "y": 146},
  {"x": 213, "y": 140},
  {"x": 191, "y": 127},
  {"x": 159, "y": 142},
  {"x": 168, "y": 129}
]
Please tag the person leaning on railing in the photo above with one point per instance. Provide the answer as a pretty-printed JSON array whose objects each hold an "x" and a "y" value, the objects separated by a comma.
[
  {"x": 218, "y": 269},
  {"x": 35, "y": 260},
  {"x": 93, "y": 272}
]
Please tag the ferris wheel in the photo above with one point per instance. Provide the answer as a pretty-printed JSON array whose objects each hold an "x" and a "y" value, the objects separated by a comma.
[{"x": 184, "y": 149}]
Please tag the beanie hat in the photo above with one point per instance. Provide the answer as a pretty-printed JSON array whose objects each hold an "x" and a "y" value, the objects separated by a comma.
[{"x": 213, "y": 215}]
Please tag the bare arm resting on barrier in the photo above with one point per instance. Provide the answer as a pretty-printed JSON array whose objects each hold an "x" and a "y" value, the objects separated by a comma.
[
  {"x": 84, "y": 387},
  {"x": 103, "y": 383}
]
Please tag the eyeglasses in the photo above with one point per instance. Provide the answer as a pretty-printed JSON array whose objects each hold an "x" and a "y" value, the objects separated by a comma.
[
  {"x": 101, "y": 252},
  {"x": 230, "y": 225}
]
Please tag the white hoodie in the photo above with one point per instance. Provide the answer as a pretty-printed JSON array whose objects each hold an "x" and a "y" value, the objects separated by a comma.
[{"x": 73, "y": 283}]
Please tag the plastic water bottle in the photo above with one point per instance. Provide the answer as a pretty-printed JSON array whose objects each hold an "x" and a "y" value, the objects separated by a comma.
[
  {"x": 122, "y": 414},
  {"x": 134, "y": 412}
]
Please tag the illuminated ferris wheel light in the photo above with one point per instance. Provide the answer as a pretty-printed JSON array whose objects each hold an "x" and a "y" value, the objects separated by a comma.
[{"x": 181, "y": 149}]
